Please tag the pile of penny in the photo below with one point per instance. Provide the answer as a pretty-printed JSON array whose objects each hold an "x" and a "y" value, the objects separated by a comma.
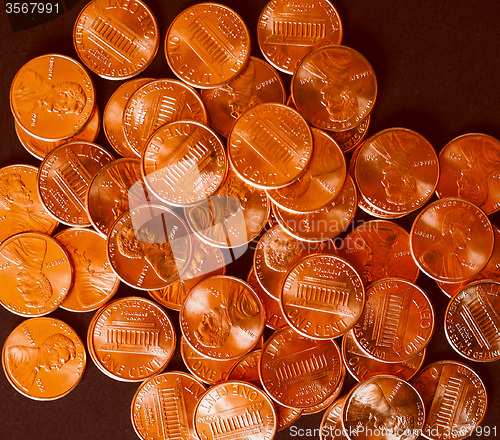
[{"x": 203, "y": 167}]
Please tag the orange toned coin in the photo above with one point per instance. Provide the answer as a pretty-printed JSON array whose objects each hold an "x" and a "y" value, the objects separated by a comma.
[
  {"x": 383, "y": 407},
  {"x": 155, "y": 104},
  {"x": 361, "y": 366},
  {"x": 112, "y": 118},
  {"x": 334, "y": 87},
  {"x": 94, "y": 282},
  {"x": 207, "y": 45},
  {"x": 149, "y": 247},
  {"x": 20, "y": 207},
  {"x": 287, "y": 32},
  {"x": 380, "y": 249},
  {"x": 331, "y": 424},
  {"x": 256, "y": 84},
  {"x": 35, "y": 274},
  {"x": 64, "y": 177},
  {"x": 132, "y": 339},
  {"x": 322, "y": 296},
  {"x": 222, "y": 318},
  {"x": 322, "y": 181},
  {"x": 116, "y": 40},
  {"x": 470, "y": 169},
  {"x": 52, "y": 97},
  {"x": 270, "y": 146},
  {"x": 43, "y": 358},
  {"x": 455, "y": 400},
  {"x": 323, "y": 224},
  {"x": 235, "y": 410},
  {"x": 183, "y": 163},
  {"x": 174, "y": 395},
  {"x": 322, "y": 406},
  {"x": 40, "y": 148},
  {"x": 299, "y": 372},
  {"x": 451, "y": 240},
  {"x": 235, "y": 215}
]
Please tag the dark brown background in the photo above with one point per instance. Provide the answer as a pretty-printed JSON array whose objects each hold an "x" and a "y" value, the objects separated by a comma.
[{"x": 437, "y": 65}]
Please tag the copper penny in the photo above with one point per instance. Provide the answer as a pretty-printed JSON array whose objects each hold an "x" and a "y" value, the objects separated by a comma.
[
  {"x": 40, "y": 148},
  {"x": 451, "y": 240},
  {"x": 455, "y": 399},
  {"x": 322, "y": 406},
  {"x": 325, "y": 223},
  {"x": 35, "y": 274},
  {"x": 235, "y": 215},
  {"x": 132, "y": 339},
  {"x": 149, "y": 247},
  {"x": 322, "y": 181},
  {"x": 380, "y": 249},
  {"x": 287, "y": 32},
  {"x": 94, "y": 282},
  {"x": 334, "y": 87},
  {"x": 207, "y": 45},
  {"x": 155, "y": 104},
  {"x": 397, "y": 321},
  {"x": 300, "y": 372},
  {"x": 361, "y": 366},
  {"x": 43, "y": 358},
  {"x": 222, "y": 317},
  {"x": 184, "y": 162},
  {"x": 331, "y": 424},
  {"x": 270, "y": 146},
  {"x": 52, "y": 97},
  {"x": 116, "y": 40},
  {"x": 383, "y": 407},
  {"x": 470, "y": 168},
  {"x": 235, "y": 410},
  {"x": 174, "y": 396},
  {"x": 20, "y": 207},
  {"x": 256, "y": 84},
  {"x": 112, "y": 118},
  {"x": 64, "y": 178}
]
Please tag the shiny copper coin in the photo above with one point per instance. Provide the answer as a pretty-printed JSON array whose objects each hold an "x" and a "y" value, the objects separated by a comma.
[
  {"x": 132, "y": 339},
  {"x": 256, "y": 84},
  {"x": 116, "y": 40},
  {"x": 112, "y": 118},
  {"x": 470, "y": 169},
  {"x": 383, "y": 407},
  {"x": 322, "y": 406},
  {"x": 472, "y": 321},
  {"x": 323, "y": 224},
  {"x": 64, "y": 178},
  {"x": 380, "y": 249},
  {"x": 455, "y": 399},
  {"x": 207, "y": 45},
  {"x": 40, "y": 148},
  {"x": 94, "y": 282},
  {"x": 174, "y": 395},
  {"x": 155, "y": 104},
  {"x": 235, "y": 215},
  {"x": 287, "y": 32},
  {"x": 205, "y": 261},
  {"x": 331, "y": 424},
  {"x": 222, "y": 317},
  {"x": 43, "y": 358},
  {"x": 322, "y": 181},
  {"x": 451, "y": 240},
  {"x": 361, "y": 366},
  {"x": 270, "y": 146},
  {"x": 299, "y": 372},
  {"x": 52, "y": 97},
  {"x": 149, "y": 247},
  {"x": 235, "y": 410},
  {"x": 35, "y": 274},
  {"x": 20, "y": 207},
  {"x": 184, "y": 162},
  {"x": 397, "y": 322},
  {"x": 334, "y": 87}
]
